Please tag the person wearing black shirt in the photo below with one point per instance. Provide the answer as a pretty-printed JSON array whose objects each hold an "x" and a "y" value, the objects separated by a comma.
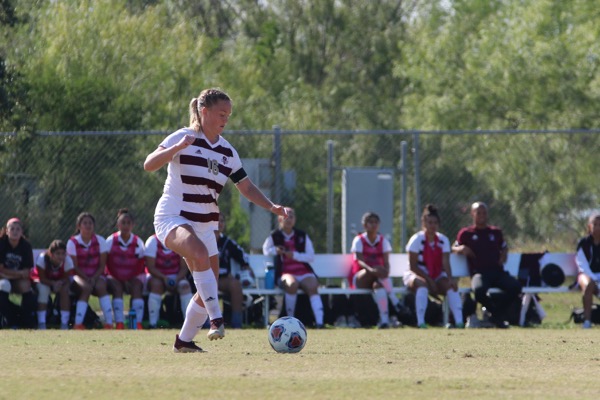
[{"x": 16, "y": 262}]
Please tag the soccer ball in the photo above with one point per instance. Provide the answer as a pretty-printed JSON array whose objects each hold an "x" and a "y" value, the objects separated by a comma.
[{"x": 287, "y": 335}]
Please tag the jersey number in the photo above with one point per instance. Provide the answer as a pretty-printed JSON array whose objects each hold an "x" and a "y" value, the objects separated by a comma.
[{"x": 213, "y": 166}]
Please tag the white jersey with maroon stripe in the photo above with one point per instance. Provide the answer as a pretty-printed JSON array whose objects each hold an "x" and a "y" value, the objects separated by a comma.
[{"x": 196, "y": 176}]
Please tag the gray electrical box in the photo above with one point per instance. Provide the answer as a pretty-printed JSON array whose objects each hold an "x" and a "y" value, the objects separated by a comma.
[{"x": 366, "y": 189}]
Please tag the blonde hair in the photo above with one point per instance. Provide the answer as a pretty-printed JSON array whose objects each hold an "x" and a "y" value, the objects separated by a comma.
[{"x": 207, "y": 98}]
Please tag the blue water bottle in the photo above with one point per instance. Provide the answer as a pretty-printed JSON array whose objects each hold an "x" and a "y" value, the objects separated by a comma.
[
  {"x": 269, "y": 275},
  {"x": 132, "y": 319}
]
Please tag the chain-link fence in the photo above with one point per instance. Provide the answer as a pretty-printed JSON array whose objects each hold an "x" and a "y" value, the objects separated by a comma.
[{"x": 540, "y": 185}]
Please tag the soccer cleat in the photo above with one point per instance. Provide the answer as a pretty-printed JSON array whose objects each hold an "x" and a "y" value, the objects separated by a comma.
[
  {"x": 217, "y": 329},
  {"x": 64, "y": 327},
  {"x": 185, "y": 347},
  {"x": 383, "y": 326},
  {"x": 587, "y": 324},
  {"x": 79, "y": 327},
  {"x": 422, "y": 326},
  {"x": 353, "y": 322},
  {"x": 108, "y": 326},
  {"x": 42, "y": 326},
  {"x": 120, "y": 326},
  {"x": 139, "y": 326}
]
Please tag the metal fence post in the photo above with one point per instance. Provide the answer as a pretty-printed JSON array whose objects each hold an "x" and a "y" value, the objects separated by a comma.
[
  {"x": 330, "y": 168},
  {"x": 403, "y": 147},
  {"x": 417, "y": 180}
]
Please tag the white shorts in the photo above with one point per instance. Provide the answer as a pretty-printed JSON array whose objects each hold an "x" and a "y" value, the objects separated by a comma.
[{"x": 165, "y": 224}]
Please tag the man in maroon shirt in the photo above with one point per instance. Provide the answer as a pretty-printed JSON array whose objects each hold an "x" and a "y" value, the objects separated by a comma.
[{"x": 486, "y": 252}]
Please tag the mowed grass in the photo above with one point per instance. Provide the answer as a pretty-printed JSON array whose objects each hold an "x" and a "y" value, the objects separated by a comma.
[
  {"x": 556, "y": 360},
  {"x": 336, "y": 363}
]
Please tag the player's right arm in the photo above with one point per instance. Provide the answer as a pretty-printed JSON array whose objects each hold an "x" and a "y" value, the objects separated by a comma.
[{"x": 162, "y": 155}]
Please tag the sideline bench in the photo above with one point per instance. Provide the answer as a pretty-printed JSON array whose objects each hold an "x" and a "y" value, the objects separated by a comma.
[
  {"x": 335, "y": 267},
  {"x": 330, "y": 267}
]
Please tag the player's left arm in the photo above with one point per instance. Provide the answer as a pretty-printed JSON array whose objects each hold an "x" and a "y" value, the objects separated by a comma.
[{"x": 255, "y": 195}]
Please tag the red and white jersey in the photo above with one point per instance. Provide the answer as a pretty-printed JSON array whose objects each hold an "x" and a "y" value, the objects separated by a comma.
[
  {"x": 357, "y": 243},
  {"x": 125, "y": 258},
  {"x": 87, "y": 254},
  {"x": 196, "y": 176},
  {"x": 166, "y": 260},
  {"x": 431, "y": 265},
  {"x": 53, "y": 272}
]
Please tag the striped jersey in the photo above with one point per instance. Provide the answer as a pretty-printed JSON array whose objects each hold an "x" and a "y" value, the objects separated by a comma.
[{"x": 196, "y": 176}]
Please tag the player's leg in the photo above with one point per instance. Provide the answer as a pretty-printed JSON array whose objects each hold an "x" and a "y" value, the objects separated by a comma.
[
  {"x": 310, "y": 285},
  {"x": 290, "y": 286}
]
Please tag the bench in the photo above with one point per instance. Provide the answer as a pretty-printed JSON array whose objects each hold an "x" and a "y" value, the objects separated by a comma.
[{"x": 330, "y": 267}]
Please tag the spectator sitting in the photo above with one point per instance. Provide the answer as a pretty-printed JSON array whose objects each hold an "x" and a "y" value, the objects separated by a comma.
[
  {"x": 430, "y": 272},
  {"x": 228, "y": 283},
  {"x": 125, "y": 267},
  {"x": 371, "y": 266},
  {"x": 16, "y": 262},
  {"x": 486, "y": 253},
  {"x": 166, "y": 271},
  {"x": 88, "y": 252},
  {"x": 293, "y": 250},
  {"x": 53, "y": 273},
  {"x": 588, "y": 262}
]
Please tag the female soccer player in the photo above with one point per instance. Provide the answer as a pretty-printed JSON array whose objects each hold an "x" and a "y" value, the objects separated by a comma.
[
  {"x": 199, "y": 162},
  {"x": 88, "y": 252},
  {"x": 125, "y": 266},
  {"x": 430, "y": 272}
]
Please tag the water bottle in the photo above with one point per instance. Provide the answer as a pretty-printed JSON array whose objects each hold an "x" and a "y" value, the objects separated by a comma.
[
  {"x": 132, "y": 319},
  {"x": 269, "y": 275}
]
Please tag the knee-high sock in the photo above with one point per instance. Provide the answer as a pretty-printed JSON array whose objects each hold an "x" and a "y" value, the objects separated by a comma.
[
  {"x": 138, "y": 306},
  {"x": 41, "y": 317},
  {"x": 381, "y": 299},
  {"x": 64, "y": 317},
  {"x": 290, "y": 303},
  {"x": 154, "y": 303},
  {"x": 107, "y": 309},
  {"x": 455, "y": 305},
  {"x": 317, "y": 307},
  {"x": 195, "y": 317},
  {"x": 80, "y": 310},
  {"x": 118, "y": 309},
  {"x": 421, "y": 299},
  {"x": 207, "y": 287},
  {"x": 387, "y": 285}
]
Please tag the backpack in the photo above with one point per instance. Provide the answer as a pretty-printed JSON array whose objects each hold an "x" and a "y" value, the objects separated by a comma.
[{"x": 577, "y": 314}]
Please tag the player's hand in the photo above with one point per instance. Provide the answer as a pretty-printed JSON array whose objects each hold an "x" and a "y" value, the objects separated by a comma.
[
  {"x": 185, "y": 141},
  {"x": 280, "y": 210},
  {"x": 380, "y": 271}
]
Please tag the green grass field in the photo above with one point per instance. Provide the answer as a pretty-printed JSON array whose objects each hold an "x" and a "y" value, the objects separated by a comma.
[{"x": 555, "y": 360}]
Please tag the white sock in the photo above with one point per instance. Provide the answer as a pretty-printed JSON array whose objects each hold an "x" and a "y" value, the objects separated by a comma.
[
  {"x": 387, "y": 285},
  {"x": 317, "y": 306},
  {"x": 195, "y": 317},
  {"x": 421, "y": 299},
  {"x": 64, "y": 317},
  {"x": 118, "y": 310},
  {"x": 138, "y": 306},
  {"x": 208, "y": 290},
  {"x": 106, "y": 308},
  {"x": 41, "y": 317},
  {"x": 381, "y": 299},
  {"x": 185, "y": 299},
  {"x": 80, "y": 310},
  {"x": 290, "y": 303},
  {"x": 154, "y": 303},
  {"x": 455, "y": 305}
]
